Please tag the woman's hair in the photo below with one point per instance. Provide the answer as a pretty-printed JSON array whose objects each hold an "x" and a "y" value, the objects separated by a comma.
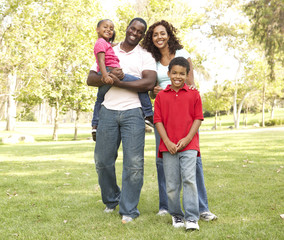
[
  {"x": 174, "y": 43},
  {"x": 111, "y": 40}
]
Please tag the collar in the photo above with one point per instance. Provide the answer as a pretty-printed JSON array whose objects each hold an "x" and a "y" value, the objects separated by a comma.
[
  {"x": 168, "y": 88},
  {"x": 121, "y": 50}
]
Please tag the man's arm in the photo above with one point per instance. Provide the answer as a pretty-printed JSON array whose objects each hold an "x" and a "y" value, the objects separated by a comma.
[
  {"x": 94, "y": 79},
  {"x": 146, "y": 83}
]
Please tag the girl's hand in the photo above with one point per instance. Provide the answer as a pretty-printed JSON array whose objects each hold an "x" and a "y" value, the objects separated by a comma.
[{"x": 107, "y": 80}]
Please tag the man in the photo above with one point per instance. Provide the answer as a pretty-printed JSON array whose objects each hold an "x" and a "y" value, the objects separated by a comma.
[{"x": 121, "y": 120}]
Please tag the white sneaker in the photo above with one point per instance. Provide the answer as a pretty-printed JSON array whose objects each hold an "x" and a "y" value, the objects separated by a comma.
[
  {"x": 191, "y": 225},
  {"x": 162, "y": 212},
  {"x": 126, "y": 219},
  {"x": 108, "y": 210},
  {"x": 207, "y": 216},
  {"x": 177, "y": 222}
]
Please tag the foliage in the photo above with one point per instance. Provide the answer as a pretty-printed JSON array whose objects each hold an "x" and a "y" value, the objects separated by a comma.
[{"x": 268, "y": 28}]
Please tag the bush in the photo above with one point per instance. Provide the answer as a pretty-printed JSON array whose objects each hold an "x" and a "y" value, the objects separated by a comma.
[{"x": 273, "y": 122}]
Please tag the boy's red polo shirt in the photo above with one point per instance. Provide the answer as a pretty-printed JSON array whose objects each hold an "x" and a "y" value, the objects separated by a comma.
[{"x": 177, "y": 111}]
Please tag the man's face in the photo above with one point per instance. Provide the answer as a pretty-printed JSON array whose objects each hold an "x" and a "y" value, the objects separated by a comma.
[{"x": 134, "y": 33}]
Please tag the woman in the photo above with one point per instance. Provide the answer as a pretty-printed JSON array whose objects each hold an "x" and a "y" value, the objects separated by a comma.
[{"x": 161, "y": 41}]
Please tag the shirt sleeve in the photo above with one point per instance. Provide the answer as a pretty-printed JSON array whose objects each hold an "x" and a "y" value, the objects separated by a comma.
[
  {"x": 149, "y": 62},
  {"x": 100, "y": 46},
  {"x": 198, "y": 113},
  {"x": 157, "y": 110}
]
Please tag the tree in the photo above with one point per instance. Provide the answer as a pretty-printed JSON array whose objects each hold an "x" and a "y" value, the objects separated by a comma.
[
  {"x": 217, "y": 100},
  {"x": 267, "y": 18}
]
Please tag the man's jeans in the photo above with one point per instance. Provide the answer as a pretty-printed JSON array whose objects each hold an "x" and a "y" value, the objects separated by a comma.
[
  {"x": 102, "y": 90},
  {"x": 180, "y": 172},
  {"x": 127, "y": 127},
  {"x": 163, "y": 199}
]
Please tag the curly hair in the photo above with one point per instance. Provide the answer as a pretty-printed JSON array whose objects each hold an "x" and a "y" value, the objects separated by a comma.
[{"x": 174, "y": 43}]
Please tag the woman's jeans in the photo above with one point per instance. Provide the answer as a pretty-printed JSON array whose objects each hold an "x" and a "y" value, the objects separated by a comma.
[
  {"x": 180, "y": 172},
  {"x": 143, "y": 97},
  {"x": 127, "y": 127},
  {"x": 163, "y": 199}
]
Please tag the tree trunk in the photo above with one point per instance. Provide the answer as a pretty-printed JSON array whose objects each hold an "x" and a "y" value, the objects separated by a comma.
[
  {"x": 216, "y": 114},
  {"x": 263, "y": 102},
  {"x": 240, "y": 109},
  {"x": 273, "y": 107},
  {"x": 236, "y": 120},
  {"x": 12, "y": 109},
  {"x": 76, "y": 124},
  {"x": 54, "y": 136}
]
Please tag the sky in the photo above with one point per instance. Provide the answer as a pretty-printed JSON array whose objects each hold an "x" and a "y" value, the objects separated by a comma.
[{"x": 220, "y": 65}]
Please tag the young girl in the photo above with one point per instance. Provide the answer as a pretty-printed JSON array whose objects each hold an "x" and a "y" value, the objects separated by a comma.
[{"x": 106, "y": 61}]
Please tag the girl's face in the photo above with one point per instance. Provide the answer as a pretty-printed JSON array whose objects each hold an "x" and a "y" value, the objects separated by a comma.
[
  {"x": 105, "y": 30},
  {"x": 160, "y": 37}
]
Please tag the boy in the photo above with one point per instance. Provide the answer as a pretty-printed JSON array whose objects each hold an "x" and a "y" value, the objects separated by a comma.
[{"x": 177, "y": 116}]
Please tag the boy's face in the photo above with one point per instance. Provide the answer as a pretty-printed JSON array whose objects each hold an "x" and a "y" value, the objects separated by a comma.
[{"x": 178, "y": 76}]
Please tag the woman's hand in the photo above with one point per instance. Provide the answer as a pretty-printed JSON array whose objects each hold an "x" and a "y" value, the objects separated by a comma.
[{"x": 157, "y": 89}]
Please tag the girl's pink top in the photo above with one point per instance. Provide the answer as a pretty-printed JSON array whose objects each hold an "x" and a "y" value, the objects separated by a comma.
[{"x": 111, "y": 60}]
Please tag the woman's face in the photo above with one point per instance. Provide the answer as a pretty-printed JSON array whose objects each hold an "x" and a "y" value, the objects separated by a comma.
[{"x": 160, "y": 37}]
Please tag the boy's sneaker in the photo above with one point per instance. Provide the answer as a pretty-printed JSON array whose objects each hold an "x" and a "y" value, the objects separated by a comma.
[
  {"x": 177, "y": 222},
  {"x": 162, "y": 212},
  {"x": 108, "y": 210},
  {"x": 208, "y": 216},
  {"x": 94, "y": 134},
  {"x": 191, "y": 225},
  {"x": 149, "y": 121},
  {"x": 126, "y": 219}
]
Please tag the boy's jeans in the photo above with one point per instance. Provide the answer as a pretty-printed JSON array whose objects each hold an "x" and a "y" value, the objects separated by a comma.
[
  {"x": 143, "y": 97},
  {"x": 180, "y": 172},
  {"x": 163, "y": 199}
]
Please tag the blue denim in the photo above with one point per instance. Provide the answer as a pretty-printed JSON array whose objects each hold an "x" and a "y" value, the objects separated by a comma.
[
  {"x": 143, "y": 97},
  {"x": 115, "y": 127},
  {"x": 180, "y": 172},
  {"x": 163, "y": 200}
]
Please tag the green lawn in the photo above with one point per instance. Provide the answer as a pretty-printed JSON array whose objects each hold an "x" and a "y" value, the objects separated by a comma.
[{"x": 49, "y": 190}]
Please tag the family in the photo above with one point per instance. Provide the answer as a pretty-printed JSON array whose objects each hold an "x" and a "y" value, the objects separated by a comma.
[{"x": 124, "y": 73}]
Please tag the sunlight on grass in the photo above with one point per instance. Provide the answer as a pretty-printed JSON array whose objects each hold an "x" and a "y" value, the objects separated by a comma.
[{"x": 49, "y": 190}]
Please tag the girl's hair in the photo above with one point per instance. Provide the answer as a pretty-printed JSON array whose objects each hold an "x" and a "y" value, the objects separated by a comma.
[
  {"x": 113, "y": 36},
  {"x": 174, "y": 43}
]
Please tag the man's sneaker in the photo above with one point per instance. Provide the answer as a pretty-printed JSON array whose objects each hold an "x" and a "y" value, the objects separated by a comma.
[
  {"x": 177, "y": 222},
  {"x": 108, "y": 210},
  {"x": 162, "y": 212},
  {"x": 191, "y": 225},
  {"x": 149, "y": 121},
  {"x": 94, "y": 134},
  {"x": 126, "y": 219},
  {"x": 208, "y": 216}
]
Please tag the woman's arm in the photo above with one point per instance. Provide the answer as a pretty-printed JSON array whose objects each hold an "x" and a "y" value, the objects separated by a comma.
[{"x": 190, "y": 76}]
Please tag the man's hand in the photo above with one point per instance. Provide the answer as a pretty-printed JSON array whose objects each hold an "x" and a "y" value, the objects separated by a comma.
[{"x": 118, "y": 73}]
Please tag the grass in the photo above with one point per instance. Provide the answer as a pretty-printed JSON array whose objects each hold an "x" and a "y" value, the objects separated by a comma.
[{"x": 49, "y": 190}]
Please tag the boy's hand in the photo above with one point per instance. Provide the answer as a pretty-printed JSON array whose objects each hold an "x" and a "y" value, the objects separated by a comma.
[
  {"x": 182, "y": 143},
  {"x": 172, "y": 148}
]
